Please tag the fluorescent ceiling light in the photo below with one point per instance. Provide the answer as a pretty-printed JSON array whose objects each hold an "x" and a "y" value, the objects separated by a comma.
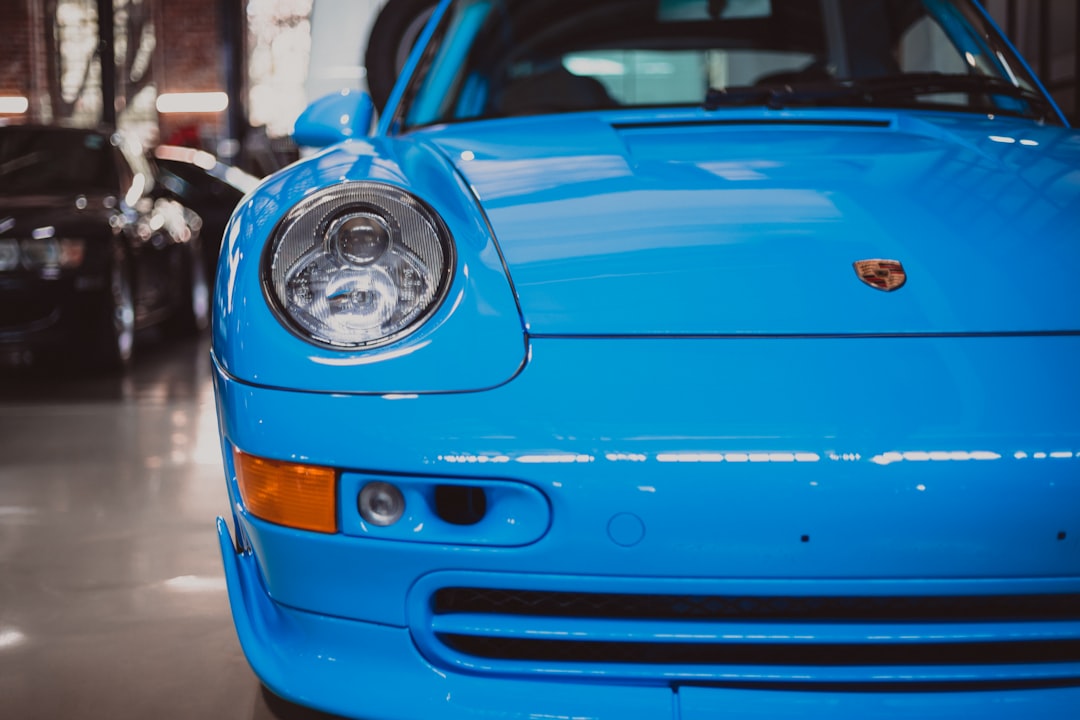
[
  {"x": 207, "y": 102},
  {"x": 14, "y": 105}
]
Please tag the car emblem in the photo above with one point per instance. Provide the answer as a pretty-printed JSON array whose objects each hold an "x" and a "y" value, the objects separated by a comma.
[{"x": 887, "y": 275}]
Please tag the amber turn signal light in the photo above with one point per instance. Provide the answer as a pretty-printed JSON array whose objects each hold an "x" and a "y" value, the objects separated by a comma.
[{"x": 298, "y": 496}]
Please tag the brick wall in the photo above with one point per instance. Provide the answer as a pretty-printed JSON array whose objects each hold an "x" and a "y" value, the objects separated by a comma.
[
  {"x": 15, "y": 68},
  {"x": 189, "y": 58}
]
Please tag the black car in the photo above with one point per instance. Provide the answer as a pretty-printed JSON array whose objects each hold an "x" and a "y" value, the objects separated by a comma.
[
  {"x": 92, "y": 248},
  {"x": 206, "y": 185}
]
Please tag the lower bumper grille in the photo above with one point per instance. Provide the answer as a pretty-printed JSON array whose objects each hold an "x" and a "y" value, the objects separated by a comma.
[
  {"x": 1004, "y": 638},
  {"x": 996, "y": 608},
  {"x": 669, "y": 653}
]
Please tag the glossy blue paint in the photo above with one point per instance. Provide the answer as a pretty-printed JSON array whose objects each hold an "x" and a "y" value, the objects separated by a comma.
[
  {"x": 333, "y": 118},
  {"x": 898, "y": 458},
  {"x": 657, "y": 363},
  {"x": 748, "y": 222}
]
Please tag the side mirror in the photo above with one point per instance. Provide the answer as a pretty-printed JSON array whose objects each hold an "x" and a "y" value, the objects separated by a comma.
[{"x": 333, "y": 118}]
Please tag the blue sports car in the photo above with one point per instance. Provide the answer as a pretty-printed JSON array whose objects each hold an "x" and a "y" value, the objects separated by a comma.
[{"x": 664, "y": 360}]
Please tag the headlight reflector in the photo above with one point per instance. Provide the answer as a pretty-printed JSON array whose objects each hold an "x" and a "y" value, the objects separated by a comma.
[
  {"x": 360, "y": 238},
  {"x": 358, "y": 265}
]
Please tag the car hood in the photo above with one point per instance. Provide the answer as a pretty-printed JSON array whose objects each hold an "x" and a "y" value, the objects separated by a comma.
[{"x": 751, "y": 222}]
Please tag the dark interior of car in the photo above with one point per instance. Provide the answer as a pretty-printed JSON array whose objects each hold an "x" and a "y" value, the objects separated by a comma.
[{"x": 523, "y": 44}]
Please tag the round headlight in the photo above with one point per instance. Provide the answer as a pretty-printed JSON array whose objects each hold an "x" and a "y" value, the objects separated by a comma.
[{"x": 358, "y": 265}]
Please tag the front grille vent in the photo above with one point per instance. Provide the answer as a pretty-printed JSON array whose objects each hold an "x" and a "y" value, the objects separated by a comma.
[
  {"x": 991, "y": 608},
  {"x": 772, "y": 639}
]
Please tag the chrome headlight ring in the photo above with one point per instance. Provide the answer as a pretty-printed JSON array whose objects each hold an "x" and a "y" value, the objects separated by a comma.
[{"x": 358, "y": 265}]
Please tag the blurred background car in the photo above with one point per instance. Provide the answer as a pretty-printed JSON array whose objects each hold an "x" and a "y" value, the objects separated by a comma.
[
  {"x": 93, "y": 247},
  {"x": 206, "y": 185}
]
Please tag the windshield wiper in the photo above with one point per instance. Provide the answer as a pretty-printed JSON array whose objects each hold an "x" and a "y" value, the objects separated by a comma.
[
  {"x": 880, "y": 91},
  {"x": 942, "y": 83},
  {"x": 779, "y": 97}
]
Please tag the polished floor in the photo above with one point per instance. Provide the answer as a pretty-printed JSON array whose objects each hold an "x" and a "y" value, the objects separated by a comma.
[{"x": 112, "y": 598}]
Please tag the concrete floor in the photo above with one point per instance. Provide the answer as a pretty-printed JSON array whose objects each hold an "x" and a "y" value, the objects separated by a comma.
[{"x": 112, "y": 598}]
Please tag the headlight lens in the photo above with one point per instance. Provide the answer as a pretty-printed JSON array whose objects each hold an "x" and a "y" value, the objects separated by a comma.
[{"x": 358, "y": 265}]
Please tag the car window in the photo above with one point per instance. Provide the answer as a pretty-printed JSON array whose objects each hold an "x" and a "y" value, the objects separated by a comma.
[
  {"x": 676, "y": 77},
  {"x": 500, "y": 58}
]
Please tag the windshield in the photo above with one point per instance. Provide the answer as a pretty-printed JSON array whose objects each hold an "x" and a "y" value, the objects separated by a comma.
[
  {"x": 500, "y": 58},
  {"x": 45, "y": 161}
]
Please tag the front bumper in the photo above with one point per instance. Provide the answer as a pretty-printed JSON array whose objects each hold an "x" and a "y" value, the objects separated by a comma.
[
  {"x": 897, "y": 475},
  {"x": 374, "y": 672}
]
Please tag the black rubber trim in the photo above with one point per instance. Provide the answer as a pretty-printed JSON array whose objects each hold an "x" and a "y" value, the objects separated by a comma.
[
  {"x": 727, "y": 122},
  {"x": 874, "y": 609}
]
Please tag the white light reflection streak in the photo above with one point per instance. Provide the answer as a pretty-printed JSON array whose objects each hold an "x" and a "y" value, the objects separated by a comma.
[
  {"x": 195, "y": 583},
  {"x": 555, "y": 459},
  {"x": 626, "y": 457},
  {"x": 10, "y": 637},
  {"x": 935, "y": 456},
  {"x": 739, "y": 457},
  {"x": 138, "y": 184},
  {"x": 1008, "y": 68},
  {"x": 365, "y": 360},
  {"x": 474, "y": 459}
]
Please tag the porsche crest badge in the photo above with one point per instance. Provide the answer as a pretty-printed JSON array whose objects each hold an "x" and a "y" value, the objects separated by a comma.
[{"x": 886, "y": 275}]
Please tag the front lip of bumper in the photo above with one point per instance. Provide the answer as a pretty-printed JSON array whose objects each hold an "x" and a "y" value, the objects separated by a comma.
[{"x": 326, "y": 663}]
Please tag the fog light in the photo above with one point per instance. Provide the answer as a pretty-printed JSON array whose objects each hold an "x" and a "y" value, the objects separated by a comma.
[{"x": 381, "y": 504}]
